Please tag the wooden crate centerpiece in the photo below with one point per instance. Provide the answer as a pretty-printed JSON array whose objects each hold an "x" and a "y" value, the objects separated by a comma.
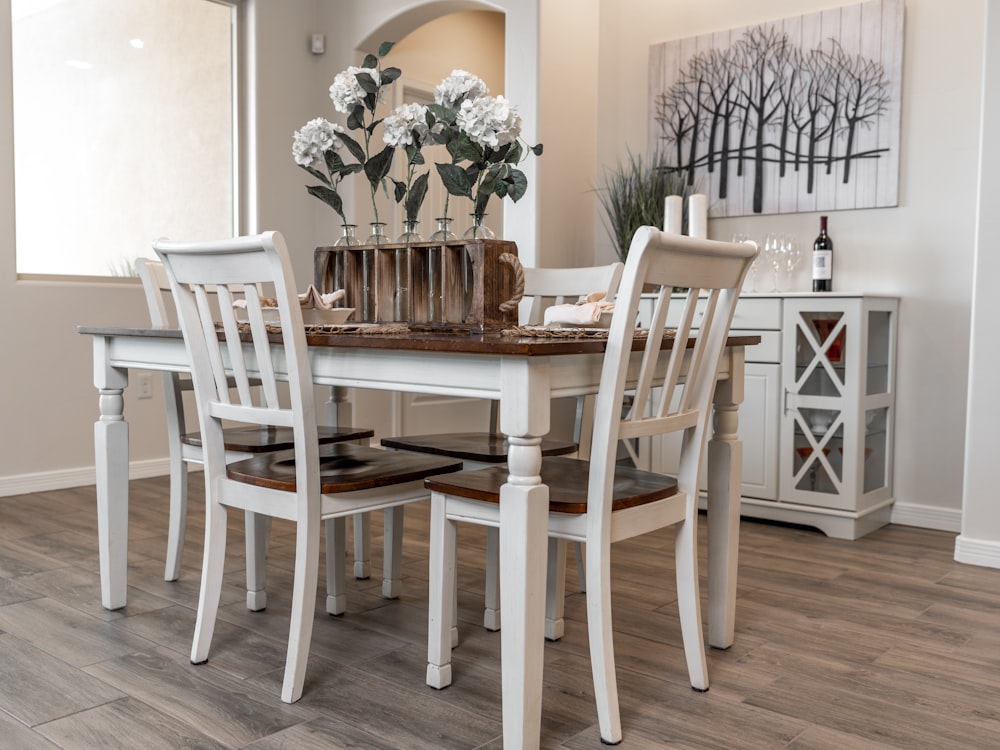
[{"x": 463, "y": 283}]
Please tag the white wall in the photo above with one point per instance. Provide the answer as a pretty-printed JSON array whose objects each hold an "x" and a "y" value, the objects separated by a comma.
[
  {"x": 921, "y": 251},
  {"x": 979, "y": 541},
  {"x": 591, "y": 92}
]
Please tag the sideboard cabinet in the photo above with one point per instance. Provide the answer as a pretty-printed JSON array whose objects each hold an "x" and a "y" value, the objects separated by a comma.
[{"x": 817, "y": 417}]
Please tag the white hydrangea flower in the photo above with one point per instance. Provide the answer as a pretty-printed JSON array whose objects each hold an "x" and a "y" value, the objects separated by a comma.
[
  {"x": 490, "y": 122},
  {"x": 458, "y": 87},
  {"x": 315, "y": 137},
  {"x": 408, "y": 122},
  {"x": 347, "y": 93}
]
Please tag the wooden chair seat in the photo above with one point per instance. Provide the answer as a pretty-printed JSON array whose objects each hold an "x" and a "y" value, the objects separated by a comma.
[
  {"x": 484, "y": 447},
  {"x": 261, "y": 440},
  {"x": 567, "y": 480},
  {"x": 343, "y": 467}
]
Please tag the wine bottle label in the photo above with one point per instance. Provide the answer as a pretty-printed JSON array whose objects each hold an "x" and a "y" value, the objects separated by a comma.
[{"x": 822, "y": 264}]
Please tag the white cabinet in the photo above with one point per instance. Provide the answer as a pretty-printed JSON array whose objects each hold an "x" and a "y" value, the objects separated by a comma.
[{"x": 817, "y": 418}]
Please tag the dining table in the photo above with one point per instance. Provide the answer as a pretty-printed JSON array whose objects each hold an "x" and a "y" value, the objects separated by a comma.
[{"x": 524, "y": 373}]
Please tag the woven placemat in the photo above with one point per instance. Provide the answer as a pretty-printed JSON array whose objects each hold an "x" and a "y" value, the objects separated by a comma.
[
  {"x": 368, "y": 329},
  {"x": 541, "y": 332}
]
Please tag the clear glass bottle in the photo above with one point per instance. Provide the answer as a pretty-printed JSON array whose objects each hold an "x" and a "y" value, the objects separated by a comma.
[
  {"x": 479, "y": 230},
  {"x": 377, "y": 237},
  {"x": 348, "y": 238},
  {"x": 443, "y": 233},
  {"x": 410, "y": 233},
  {"x": 435, "y": 301}
]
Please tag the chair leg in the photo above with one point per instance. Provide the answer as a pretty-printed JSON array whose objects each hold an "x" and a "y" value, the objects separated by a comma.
[
  {"x": 602, "y": 655},
  {"x": 491, "y": 613},
  {"x": 581, "y": 568},
  {"x": 362, "y": 546},
  {"x": 212, "y": 567},
  {"x": 555, "y": 590},
  {"x": 441, "y": 594},
  {"x": 303, "y": 609},
  {"x": 689, "y": 605},
  {"x": 392, "y": 560},
  {"x": 178, "y": 514},
  {"x": 257, "y": 527},
  {"x": 336, "y": 541}
]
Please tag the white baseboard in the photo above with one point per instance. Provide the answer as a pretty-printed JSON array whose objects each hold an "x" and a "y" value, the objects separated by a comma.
[
  {"x": 23, "y": 484},
  {"x": 977, "y": 552},
  {"x": 926, "y": 516}
]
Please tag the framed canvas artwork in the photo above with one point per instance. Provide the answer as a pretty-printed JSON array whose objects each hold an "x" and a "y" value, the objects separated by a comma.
[{"x": 801, "y": 114}]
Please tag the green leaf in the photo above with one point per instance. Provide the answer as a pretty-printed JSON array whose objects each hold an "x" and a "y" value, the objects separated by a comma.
[
  {"x": 329, "y": 197},
  {"x": 355, "y": 120},
  {"x": 366, "y": 82},
  {"x": 333, "y": 161},
  {"x": 353, "y": 146},
  {"x": 515, "y": 153},
  {"x": 389, "y": 75},
  {"x": 537, "y": 150},
  {"x": 415, "y": 198},
  {"x": 462, "y": 148},
  {"x": 400, "y": 190},
  {"x": 374, "y": 124},
  {"x": 517, "y": 184},
  {"x": 442, "y": 113},
  {"x": 370, "y": 61},
  {"x": 379, "y": 165},
  {"x": 317, "y": 174},
  {"x": 413, "y": 154},
  {"x": 384, "y": 48},
  {"x": 455, "y": 180},
  {"x": 498, "y": 155}
]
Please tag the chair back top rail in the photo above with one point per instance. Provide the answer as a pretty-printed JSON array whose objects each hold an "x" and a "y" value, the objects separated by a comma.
[{"x": 705, "y": 268}]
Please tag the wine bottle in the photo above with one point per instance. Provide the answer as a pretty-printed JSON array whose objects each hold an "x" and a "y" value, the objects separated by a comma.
[{"x": 823, "y": 260}]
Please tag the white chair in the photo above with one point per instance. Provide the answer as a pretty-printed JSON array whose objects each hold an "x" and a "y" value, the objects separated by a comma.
[
  {"x": 185, "y": 447},
  {"x": 308, "y": 484},
  {"x": 543, "y": 287},
  {"x": 604, "y": 501}
]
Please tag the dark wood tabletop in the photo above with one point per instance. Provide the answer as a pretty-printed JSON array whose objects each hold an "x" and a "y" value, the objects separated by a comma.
[{"x": 438, "y": 341}]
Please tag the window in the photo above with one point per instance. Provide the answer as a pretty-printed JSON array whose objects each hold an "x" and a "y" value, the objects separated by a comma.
[{"x": 124, "y": 129}]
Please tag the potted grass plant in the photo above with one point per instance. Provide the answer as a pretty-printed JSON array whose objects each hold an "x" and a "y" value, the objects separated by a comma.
[{"x": 633, "y": 193}]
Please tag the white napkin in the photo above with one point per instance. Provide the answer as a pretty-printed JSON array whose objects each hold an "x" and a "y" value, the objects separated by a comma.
[
  {"x": 312, "y": 298},
  {"x": 586, "y": 312}
]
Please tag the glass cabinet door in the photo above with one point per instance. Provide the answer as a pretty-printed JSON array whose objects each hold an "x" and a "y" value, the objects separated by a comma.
[{"x": 837, "y": 381}]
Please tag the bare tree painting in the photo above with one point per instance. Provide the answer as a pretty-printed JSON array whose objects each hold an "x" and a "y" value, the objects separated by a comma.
[{"x": 796, "y": 115}]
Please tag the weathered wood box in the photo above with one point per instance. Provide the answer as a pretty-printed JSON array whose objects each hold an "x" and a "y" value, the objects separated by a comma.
[{"x": 460, "y": 283}]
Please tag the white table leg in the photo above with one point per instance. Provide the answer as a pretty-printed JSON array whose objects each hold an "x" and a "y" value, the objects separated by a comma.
[
  {"x": 339, "y": 413},
  {"x": 725, "y": 468},
  {"x": 524, "y": 502},
  {"x": 111, "y": 465}
]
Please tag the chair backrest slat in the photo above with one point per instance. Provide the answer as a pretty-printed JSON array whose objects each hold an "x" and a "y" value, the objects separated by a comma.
[
  {"x": 673, "y": 387},
  {"x": 241, "y": 355}
]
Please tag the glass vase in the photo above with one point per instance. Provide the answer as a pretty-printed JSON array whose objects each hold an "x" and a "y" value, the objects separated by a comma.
[
  {"x": 348, "y": 238},
  {"x": 435, "y": 300},
  {"x": 443, "y": 233},
  {"x": 401, "y": 272},
  {"x": 479, "y": 230},
  {"x": 377, "y": 237},
  {"x": 410, "y": 233}
]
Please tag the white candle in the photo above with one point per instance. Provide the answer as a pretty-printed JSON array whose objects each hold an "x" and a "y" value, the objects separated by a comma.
[
  {"x": 673, "y": 212},
  {"x": 698, "y": 215}
]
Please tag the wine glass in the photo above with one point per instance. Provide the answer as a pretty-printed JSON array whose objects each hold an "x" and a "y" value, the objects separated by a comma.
[
  {"x": 790, "y": 254},
  {"x": 771, "y": 253}
]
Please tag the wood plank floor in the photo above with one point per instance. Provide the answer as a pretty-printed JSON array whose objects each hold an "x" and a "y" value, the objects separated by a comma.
[{"x": 881, "y": 643}]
